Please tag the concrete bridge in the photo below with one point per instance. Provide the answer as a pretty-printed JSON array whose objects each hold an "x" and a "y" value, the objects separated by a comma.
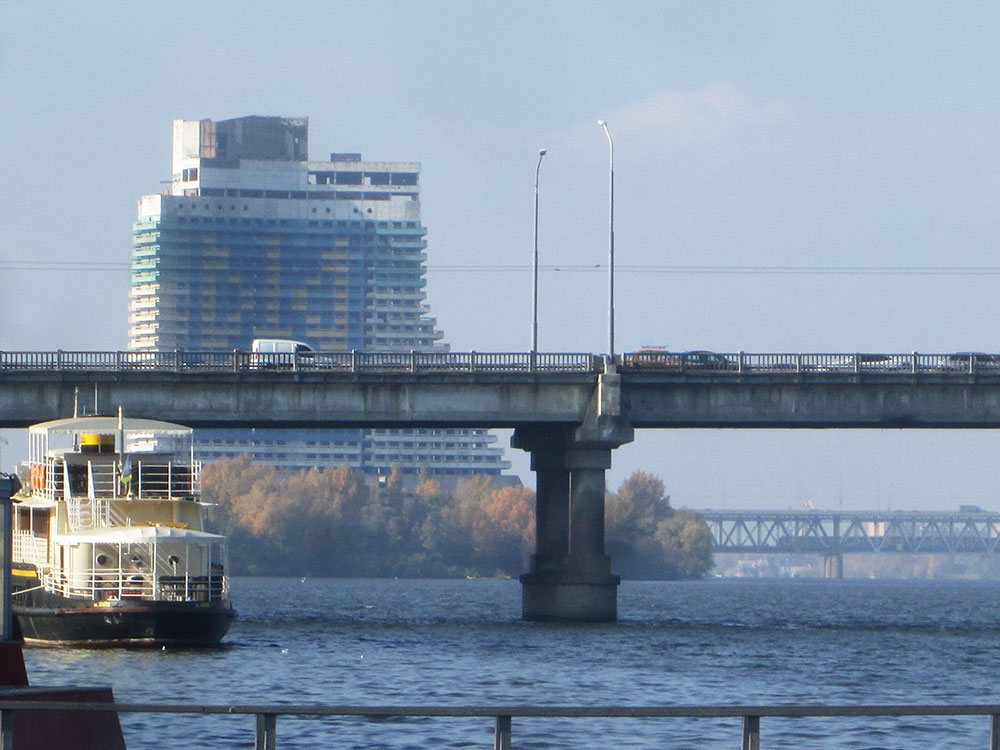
[
  {"x": 832, "y": 534},
  {"x": 569, "y": 411}
]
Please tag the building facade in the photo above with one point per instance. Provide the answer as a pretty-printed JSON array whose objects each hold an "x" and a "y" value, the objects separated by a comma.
[{"x": 253, "y": 240}]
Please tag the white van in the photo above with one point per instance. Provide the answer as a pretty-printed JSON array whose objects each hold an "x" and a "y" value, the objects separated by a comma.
[{"x": 283, "y": 353}]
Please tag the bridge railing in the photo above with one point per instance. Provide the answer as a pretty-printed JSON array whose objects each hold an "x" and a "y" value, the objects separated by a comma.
[
  {"x": 646, "y": 361},
  {"x": 265, "y": 732},
  {"x": 746, "y": 363},
  {"x": 334, "y": 361}
]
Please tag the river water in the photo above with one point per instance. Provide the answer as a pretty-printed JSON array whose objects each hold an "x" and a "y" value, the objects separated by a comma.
[{"x": 402, "y": 642}]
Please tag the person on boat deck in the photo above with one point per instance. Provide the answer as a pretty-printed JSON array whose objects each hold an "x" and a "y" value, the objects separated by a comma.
[{"x": 126, "y": 476}]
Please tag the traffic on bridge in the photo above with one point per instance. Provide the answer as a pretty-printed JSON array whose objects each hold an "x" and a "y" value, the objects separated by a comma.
[{"x": 647, "y": 360}]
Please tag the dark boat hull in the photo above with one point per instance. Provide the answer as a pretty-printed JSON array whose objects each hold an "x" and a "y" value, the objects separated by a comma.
[{"x": 46, "y": 618}]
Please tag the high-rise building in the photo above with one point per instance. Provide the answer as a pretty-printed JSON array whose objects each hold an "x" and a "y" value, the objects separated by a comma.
[{"x": 253, "y": 240}]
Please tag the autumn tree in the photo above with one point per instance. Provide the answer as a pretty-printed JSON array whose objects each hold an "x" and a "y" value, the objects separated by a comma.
[{"x": 332, "y": 522}]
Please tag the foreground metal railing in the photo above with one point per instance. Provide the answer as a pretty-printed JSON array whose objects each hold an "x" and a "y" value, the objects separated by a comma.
[
  {"x": 645, "y": 361},
  {"x": 266, "y": 715}
]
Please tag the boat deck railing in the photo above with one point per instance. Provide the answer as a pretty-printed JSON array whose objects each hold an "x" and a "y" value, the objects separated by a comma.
[
  {"x": 104, "y": 480},
  {"x": 117, "y": 584},
  {"x": 750, "y": 717},
  {"x": 29, "y": 548}
]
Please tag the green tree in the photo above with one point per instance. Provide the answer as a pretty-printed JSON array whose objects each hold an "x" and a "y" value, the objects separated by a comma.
[
  {"x": 686, "y": 542},
  {"x": 647, "y": 539}
]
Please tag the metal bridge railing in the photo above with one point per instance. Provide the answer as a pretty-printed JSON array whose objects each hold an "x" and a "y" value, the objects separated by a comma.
[
  {"x": 962, "y": 363},
  {"x": 645, "y": 361},
  {"x": 341, "y": 361},
  {"x": 265, "y": 736}
]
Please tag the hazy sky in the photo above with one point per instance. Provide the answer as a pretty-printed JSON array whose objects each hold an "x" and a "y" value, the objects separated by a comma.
[{"x": 749, "y": 137}]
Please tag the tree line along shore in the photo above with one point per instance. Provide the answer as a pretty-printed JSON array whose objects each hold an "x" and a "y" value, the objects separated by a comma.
[{"x": 330, "y": 522}]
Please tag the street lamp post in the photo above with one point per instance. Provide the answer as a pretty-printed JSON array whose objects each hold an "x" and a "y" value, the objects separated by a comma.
[
  {"x": 611, "y": 246},
  {"x": 534, "y": 267}
]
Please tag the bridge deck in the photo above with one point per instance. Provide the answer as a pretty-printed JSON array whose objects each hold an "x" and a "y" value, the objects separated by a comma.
[{"x": 352, "y": 389}]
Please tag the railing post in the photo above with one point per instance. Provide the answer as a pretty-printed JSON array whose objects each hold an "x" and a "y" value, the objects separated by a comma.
[
  {"x": 914, "y": 368},
  {"x": 177, "y": 360},
  {"x": 236, "y": 360},
  {"x": 7, "y": 729},
  {"x": 995, "y": 732},
  {"x": 751, "y": 733},
  {"x": 118, "y": 361},
  {"x": 266, "y": 731},
  {"x": 501, "y": 740},
  {"x": 354, "y": 360},
  {"x": 413, "y": 360},
  {"x": 472, "y": 361},
  {"x": 741, "y": 360}
]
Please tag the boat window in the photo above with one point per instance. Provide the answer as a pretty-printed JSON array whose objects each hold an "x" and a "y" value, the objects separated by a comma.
[{"x": 78, "y": 479}]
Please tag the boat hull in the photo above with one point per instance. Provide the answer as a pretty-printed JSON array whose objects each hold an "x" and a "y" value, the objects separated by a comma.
[
  {"x": 151, "y": 624},
  {"x": 45, "y": 618}
]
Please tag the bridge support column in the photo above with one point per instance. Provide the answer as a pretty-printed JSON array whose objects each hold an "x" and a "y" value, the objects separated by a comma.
[
  {"x": 548, "y": 461},
  {"x": 570, "y": 575},
  {"x": 833, "y": 566}
]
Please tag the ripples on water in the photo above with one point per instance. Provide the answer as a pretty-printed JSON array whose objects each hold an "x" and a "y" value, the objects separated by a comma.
[{"x": 395, "y": 642}]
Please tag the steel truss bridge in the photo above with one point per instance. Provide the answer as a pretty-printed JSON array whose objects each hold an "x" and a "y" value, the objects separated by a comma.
[{"x": 832, "y": 533}]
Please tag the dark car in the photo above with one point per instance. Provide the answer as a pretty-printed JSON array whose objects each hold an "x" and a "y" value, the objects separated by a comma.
[
  {"x": 650, "y": 358},
  {"x": 707, "y": 360},
  {"x": 974, "y": 360}
]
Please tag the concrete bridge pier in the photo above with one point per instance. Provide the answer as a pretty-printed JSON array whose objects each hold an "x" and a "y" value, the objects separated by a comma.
[
  {"x": 548, "y": 461},
  {"x": 833, "y": 566},
  {"x": 569, "y": 577}
]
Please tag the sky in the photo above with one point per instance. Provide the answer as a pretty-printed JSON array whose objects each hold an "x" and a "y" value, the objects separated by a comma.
[{"x": 789, "y": 177}]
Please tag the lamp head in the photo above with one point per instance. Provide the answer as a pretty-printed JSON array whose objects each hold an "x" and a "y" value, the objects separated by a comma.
[
  {"x": 602, "y": 123},
  {"x": 542, "y": 151}
]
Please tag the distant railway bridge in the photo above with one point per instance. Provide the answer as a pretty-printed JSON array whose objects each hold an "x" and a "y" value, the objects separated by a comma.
[{"x": 833, "y": 534}]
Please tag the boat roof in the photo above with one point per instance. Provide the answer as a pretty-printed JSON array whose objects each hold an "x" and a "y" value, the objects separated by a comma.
[
  {"x": 74, "y": 425},
  {"x": 120, "y": 534}
]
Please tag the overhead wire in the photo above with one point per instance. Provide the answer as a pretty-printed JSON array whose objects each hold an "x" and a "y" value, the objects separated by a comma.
[{"x": 223, "y": 267}]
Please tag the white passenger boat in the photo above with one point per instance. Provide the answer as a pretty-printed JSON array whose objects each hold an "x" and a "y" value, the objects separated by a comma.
[{"x": 109, "y": 545}]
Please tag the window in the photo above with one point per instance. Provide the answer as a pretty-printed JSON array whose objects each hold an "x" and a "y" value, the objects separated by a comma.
[{"x": 404, "y": 178}]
